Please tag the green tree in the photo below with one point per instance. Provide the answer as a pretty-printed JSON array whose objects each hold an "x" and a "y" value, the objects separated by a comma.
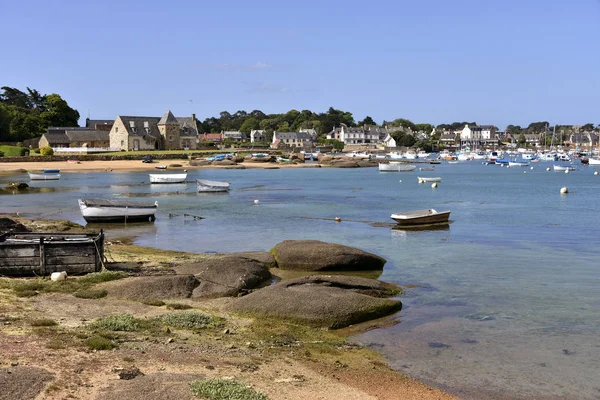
[
  {"x": 57, "y": 112},
  {"x": 250, "y": 124},
  {"x": 367, "y": 121},
  {"x": 521, "y": 141}
]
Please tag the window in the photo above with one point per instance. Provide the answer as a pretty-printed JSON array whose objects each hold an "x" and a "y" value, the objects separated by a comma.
[
  {"x": 116, "y": 129},
  {"x": 170, "y": 138}
]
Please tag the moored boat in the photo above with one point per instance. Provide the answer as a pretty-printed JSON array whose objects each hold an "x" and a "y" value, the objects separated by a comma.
[
  {"x": 51, "y": 171},
  {"x": 518, "y": 163},
  {"x": 212, "y": 186},
  {"x": 562, "y": 168},
  {"x": 167, "y": 178},
  {"x": 396, "y": 167},
  {"x": 101, "y": 210},
  {"x": 422, "y": 179},
  {"x": 43, "y": 176},
  {"x": 421, "y": 217}
]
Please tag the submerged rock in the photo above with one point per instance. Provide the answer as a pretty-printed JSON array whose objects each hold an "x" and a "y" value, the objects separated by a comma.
[
  {"x": 323, "y": 301},
  {"x": 17, "y": 186},
  {"x": 314, "y": 255}
]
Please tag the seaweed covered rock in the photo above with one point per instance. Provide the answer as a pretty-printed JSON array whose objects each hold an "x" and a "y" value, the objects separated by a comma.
[
  {"x": 322, "y": 301},
  {"x": 314, "y": 255}
]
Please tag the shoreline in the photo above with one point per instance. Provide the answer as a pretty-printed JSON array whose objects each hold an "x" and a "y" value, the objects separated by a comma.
[{"x": 324, "y": 369}]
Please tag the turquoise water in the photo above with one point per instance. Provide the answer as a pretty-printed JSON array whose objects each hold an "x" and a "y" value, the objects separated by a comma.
[{"x": 505, "y": 303}]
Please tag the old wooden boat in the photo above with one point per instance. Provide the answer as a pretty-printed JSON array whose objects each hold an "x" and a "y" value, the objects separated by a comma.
[
  {"x": 421, "y": 217},
  {"x": 43, "y": 176},
  {"x": 29, "y": 254},
  {"x": 101, "y": 210},
  {"x": 167, "y": 178},
  {"x": 212, "y": 186},
  {"x": 396, "y": 167}
]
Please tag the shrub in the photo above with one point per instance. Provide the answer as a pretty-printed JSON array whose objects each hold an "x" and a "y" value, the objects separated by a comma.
[
  {"x": 190, "y": 320},
  {"x": 46, "y": 151},
  {"x": 1, "y": 154},
  {"x": 99, "y": 343},
  {"x": 153, "y": 302},
  {"x": 103, "y": 276},
  {"x": 121, "y": 322},
  {"x": 90, "y": 293},
  {"x": 43, "y": 322},
  {"x": 36, "y": 151},
  {"x": 223, "y": 389},
  {"x": 14, "y": 151},
  {"x": 178, "y": 306}
]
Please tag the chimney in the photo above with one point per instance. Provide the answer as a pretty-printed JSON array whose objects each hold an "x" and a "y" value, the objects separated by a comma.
[{"x": 193, "y": 117}]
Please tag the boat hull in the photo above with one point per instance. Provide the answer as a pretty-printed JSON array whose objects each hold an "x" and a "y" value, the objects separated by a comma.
[
  {"x": 117, "y": 212},
  {"x": 212, "y": 186},
  {"x": 432, "y": 179},
  {"x": 421, "y": 217},
  {"x": 396, "y": 167},
  {"x": 44, "y": 177},
  {"x": 167, "y": 178}
]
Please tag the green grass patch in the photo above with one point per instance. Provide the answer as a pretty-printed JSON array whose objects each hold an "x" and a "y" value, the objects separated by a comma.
[
  {"x": 90, "y": 293},
  {"x": 153, "y": 302},
  {"x": 43, "y": 322},
  {"x": 31, "y": 287},
  {"x": 178, "y": 306},
  {"x": 190, "y": 320},
  {"x": 26, "y": 293},
  {"x": 103, "y": 276},
  {"x": 121, "y": 322},
  {"x": 99, "y": 343},
  {"x": 223, "y": 389}
]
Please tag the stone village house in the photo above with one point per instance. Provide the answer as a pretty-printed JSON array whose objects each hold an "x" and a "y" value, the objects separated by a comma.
[{"x": 152, "y": 133}]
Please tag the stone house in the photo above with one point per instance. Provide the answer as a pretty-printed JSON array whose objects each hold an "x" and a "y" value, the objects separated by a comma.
[
  {"x": 234, "y": 135},
  {"x": 257, "y": 135},
  {"x": 292, "y": 139},
  {"x": 153, "y": 133},
  {"x": 368, "y": 134},
  {"x": 211, "y": 137},
  {"x": 57, "y": 137}
]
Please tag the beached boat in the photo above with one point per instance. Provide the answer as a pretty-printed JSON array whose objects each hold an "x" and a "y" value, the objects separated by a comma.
[
  {"x": 167, "y": 178},
  {"x": 101, "y": 210},
  {"x": 212, "y": 186},
  {"x": 161, "y": 167},
  {"x": 563, "y": 168},
  {"x": 421, "y": 217},
  {"x": 73, "y": 161},
  {"x": 422, "y": 179},
  {"x": 43, "y": 176},
  {"x": 396, "y": 167}
]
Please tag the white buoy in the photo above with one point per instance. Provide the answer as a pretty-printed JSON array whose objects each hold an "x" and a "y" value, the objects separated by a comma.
[
  {"x": 564, "y": 190},
  {"x": 256, "y": 201},
  {"x": 566, "y": 171},
  {"x": 400, "y": 181},
  {"x": 531, "y": 168},
  {"x": 337, "y": 219},
  {"x": 548, "y": 169},
  {"x": 595, "y": 172},
  {"x": 58, "y": 276},
  {"x": 524, "y": 172},
  {"x": 434, "y": 185}
]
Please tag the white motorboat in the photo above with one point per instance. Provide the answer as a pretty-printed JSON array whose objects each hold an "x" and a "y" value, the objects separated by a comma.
[
  {"x": 422, "y": 179},
  {"x": 519, "y": 163},
  {"x": 563, "y": 168},
  {"x": 396, "y": 167},
  {"x": 212, "y": 186},
  {"x": 594, "y": 161},
  {"x": 101, "y": 210},
  {"x": 359, "y": 154},
  {"x": 44, "y": 177},
  {"x": 167, "y": 178}
]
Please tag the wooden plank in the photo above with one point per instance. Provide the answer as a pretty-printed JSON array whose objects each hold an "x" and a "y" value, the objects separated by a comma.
[
  {"x": 68, "y": 250},
  {"x": 19, "y": 261},
  {"x": 63, "y": 260},
  {"x": 72, "y": 269},
  {"x": 19, "y": 251},
  {"x": 20, "y": 271}
]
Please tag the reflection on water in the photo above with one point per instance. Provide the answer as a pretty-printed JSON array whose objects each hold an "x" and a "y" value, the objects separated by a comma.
[{"x": 502, "y": 303}]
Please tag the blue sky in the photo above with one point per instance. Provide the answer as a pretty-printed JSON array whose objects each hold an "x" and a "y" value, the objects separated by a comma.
[{"x": 491, "y": 61}]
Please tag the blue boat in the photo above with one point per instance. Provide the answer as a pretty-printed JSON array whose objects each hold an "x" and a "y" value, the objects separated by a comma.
[{"x": 51, "y": 171}]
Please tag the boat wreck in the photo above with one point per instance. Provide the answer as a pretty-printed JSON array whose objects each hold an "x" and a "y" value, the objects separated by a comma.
[{"x": 35, "y": 254}]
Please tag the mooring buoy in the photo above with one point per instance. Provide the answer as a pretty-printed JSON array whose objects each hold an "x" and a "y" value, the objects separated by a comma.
[{"x": 564, "y": 190}]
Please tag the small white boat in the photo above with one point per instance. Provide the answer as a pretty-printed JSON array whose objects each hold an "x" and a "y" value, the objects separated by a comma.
[
  {"x": 212, "y": 186},
  {"x": 422, "y": 179},
  {"x": 396, "y": 167},
  {"x": 421, "y": 217},
  {"x": 161, "y": 167},
  {"x": 359, "y": 154},
  {"x": 167, "y": 178},
  {"x": 594, "y": 161},
  {"x": 427, "y": 169},
  {"x": 519, "y": 163},
  {"x": 563, "y": 168},
  {"x": 44, "y": 177},
  {"x": 100, "y": 210}
]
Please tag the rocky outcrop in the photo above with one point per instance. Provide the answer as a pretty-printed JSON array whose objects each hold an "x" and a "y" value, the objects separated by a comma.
[
  {"x": 231, "y": 275},
  {"x": 323, "y": 301},
  {"x": 199, "y": 163},
  {"x": 314, "y": 255},
  {"x": 224, "y": 162},
  {"x": 153, "y": 287}
]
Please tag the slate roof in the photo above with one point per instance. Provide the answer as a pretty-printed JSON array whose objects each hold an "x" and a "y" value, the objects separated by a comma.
[
  {"x": 168, "y": 119},
  {"x": 82, "y": 135},
  {"x": 93, "y": 123},
  {"x": 57, "y": 138},
  {"x": 153, "y": 131},
  {"x": 188, "y": 123},
  {"x": 293, "y": 136}
]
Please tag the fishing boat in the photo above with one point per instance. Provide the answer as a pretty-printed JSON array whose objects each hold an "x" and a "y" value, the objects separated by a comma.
[
  {"x": 421, "y": 217},
  {"x": 212, "y": 186},
  {"x": 429, "y": 179},
  {"x": 167, "y": 178},
  {"x": 101, "y": 210},
  {"x": 396, "y": 167},
  {"x": 43, "y": 176},
  {"x": 563, "y": 168}
]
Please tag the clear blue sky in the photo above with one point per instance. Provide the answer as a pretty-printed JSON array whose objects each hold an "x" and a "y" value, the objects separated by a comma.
[{"x": 490, "y": 61}]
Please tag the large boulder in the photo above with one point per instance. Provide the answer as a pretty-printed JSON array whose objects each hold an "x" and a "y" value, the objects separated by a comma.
[
  {"x": 231, "y": 275},
  {"x": 199, "y": 163},
  {"x": 9, "y": 225},
  {"x": 322, "y": 301},
  {"x": 153, "y": 287},
  {"x": 314, "y": 255},
  {"x": 224, "y": 162},
  {"x": 344, "y": 164}
]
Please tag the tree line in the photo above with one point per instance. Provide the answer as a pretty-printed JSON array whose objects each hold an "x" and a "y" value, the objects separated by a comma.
[{"x": 25, "y": 115}]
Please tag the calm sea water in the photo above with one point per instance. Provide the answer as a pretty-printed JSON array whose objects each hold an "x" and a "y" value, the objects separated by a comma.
[{"x": 505, "y": 303}]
